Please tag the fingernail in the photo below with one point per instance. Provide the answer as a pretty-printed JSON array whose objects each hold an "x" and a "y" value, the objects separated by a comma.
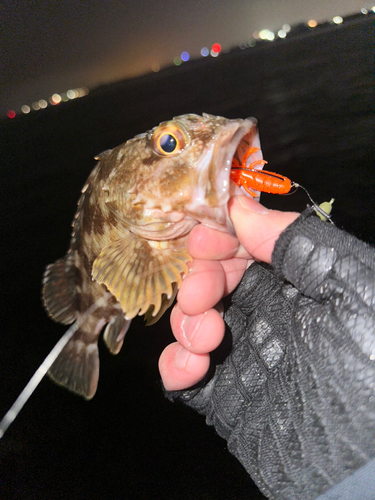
[
  {"x": 190, "y": 325},
  {"x": 252, "y": 205},
  {"x": 181, "y": 358}
]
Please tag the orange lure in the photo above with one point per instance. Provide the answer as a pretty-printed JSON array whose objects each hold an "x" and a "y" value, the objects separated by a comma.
[{"x": 253, "y": 180}]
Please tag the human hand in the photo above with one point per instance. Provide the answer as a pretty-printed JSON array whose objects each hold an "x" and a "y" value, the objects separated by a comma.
[{"x": 220, "y": 261}]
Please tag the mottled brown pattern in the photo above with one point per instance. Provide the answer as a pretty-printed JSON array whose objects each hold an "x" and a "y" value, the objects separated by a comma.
[
  {"x": 151, "y": 160},
  {"x": 132, "y": 222}
]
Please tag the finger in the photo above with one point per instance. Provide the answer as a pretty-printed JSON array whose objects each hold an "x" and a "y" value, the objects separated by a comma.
[
  {"x": 233, "y": 271},
  {"x": 199, "y": 334},
  {"x": 180, "y": 368},
  {"x": 257, "y": 228},
  {"x": 202, "y": 287},
  {"x": 207, "y": 243}
]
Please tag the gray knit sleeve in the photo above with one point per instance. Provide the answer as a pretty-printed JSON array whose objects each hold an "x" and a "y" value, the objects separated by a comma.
[{"x": 295, "y": 397}]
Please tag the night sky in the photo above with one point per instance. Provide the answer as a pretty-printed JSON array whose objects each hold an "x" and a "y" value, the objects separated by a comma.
[{"x": 48, "y": 46}]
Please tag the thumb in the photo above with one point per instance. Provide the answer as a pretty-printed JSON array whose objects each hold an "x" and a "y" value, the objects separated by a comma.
[{"x": 258, "y": 228}]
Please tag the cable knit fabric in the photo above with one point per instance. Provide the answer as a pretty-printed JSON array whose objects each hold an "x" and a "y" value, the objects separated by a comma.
[{"x": 295, "y": 398}]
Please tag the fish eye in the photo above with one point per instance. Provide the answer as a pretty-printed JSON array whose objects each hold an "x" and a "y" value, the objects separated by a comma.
[
  {"x": 169, "y": 139},
  {"x": 167, "y": 142}
]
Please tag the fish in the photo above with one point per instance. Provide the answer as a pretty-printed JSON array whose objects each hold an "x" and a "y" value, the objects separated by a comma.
[{"x": 128, "y": 249}]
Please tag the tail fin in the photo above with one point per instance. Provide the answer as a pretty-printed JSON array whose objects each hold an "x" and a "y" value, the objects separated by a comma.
[{"x": 77, "y": 366}]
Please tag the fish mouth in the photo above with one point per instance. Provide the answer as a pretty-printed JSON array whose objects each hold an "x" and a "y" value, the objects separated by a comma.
[
  {"x": 234, "y": 141},
  {"x": 235, "y": 147}
]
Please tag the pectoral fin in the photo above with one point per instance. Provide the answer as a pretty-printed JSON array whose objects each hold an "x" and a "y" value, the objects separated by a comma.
[
  {"x": 165, "y": 304},
  {"x": 138, "y": 272}
]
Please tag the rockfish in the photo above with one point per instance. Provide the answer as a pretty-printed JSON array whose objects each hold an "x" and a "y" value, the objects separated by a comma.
[{"x": 128, "y": 249}]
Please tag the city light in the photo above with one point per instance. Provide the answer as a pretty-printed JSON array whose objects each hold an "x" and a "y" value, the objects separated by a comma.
[
  {"x": 337, "y": 19},
  {"x": 71, "y": 94},
  {"x": 205, "y": 51},
  {"x": 312, "y": 23},
  {"x": 55, "y": 99},
  {"x": 216, "y": 47},
  {"x": 267, "y": 35},
  {"x": 43, "y": 104},
  {"x": 281, "y": 33},
  {"x": 11, "y": 114},
  {"x": 185, "y": 56}
]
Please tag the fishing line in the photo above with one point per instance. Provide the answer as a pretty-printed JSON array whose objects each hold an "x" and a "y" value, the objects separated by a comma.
[
  {"x": 323, "y": 214},
  {"x": 35, "y": 380}
]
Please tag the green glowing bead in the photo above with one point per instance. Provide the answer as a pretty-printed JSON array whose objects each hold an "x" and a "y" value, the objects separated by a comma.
[{"x": 326, "y": 206}]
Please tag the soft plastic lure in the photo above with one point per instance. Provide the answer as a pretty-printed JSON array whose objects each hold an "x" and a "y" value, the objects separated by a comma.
[{"x": 253, "y": 180}]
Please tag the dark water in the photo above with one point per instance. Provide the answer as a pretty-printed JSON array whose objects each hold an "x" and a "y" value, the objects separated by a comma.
[{"x": 314, "y": 98}]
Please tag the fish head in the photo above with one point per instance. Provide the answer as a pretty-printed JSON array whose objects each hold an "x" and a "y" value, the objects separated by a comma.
[{"x": 164, "y": 182}]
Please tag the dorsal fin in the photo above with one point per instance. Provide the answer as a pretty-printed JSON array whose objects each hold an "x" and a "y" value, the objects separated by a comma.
[
  {"x": 59, "y": 292},
  {"x": 102, "y": 155},
  {"x": 138, "y": 272}
]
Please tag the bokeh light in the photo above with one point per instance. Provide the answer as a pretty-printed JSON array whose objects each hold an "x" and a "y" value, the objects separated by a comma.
[
  {"x": 286, "y": 27},
  {"x": 364, "y": 11},
  {"x": 267, "y": 35},
  {"x": 216, "y": 48},
  {"x": 71, "y": 94},
  {"x": 11, "y": 114},
  {"x": 337, "y": 19},
  {"x": 205, "y": 51},
  {"x": 177, "y": 61},
  {"x": 312, "y": 23},
  {"x": 155, "y": 67},
  {"x": 185, "y": 56},
  {"x": 281, "y": 33},
  {"x": 43, "y": 103},
  {"x": 55, "y": 99}
]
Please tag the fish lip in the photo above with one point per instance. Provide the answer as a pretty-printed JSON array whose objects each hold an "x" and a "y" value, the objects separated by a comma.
[{"x": 244, "y": 136}]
